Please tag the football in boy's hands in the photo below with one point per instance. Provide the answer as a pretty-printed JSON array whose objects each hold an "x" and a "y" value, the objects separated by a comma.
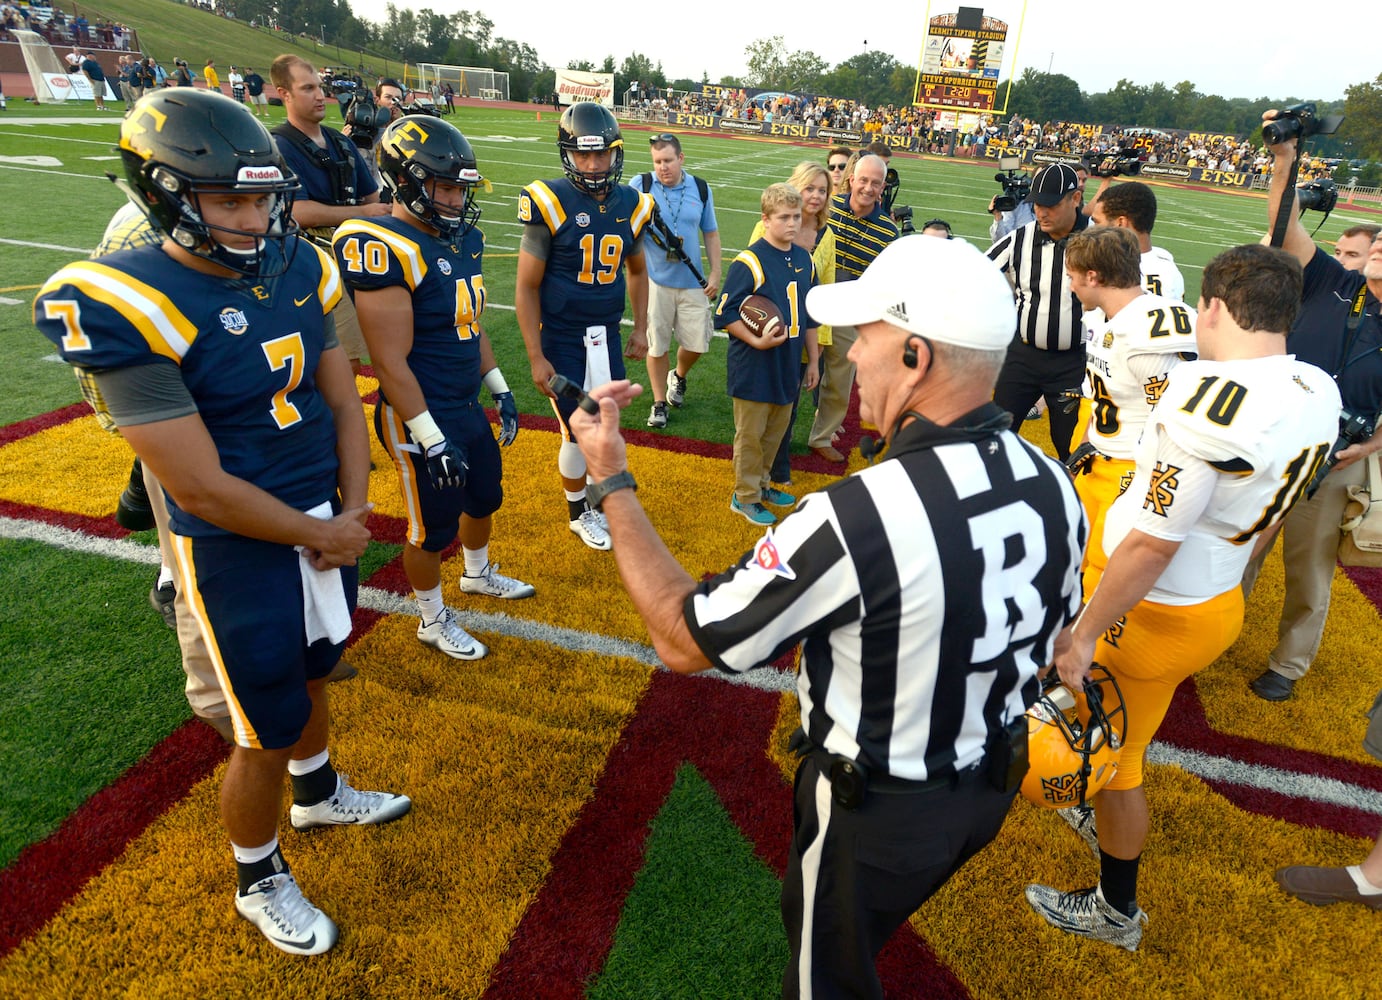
[{"x": 762, "y": 316}]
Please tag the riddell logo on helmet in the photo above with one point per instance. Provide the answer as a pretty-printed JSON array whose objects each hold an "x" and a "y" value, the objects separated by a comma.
[{"x": 259, "y": 174}]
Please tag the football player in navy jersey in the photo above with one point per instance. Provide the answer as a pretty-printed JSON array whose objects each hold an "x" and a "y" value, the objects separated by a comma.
[
  {"x": 416, "y": 280},
  {"x": 579, "y": 234},
  {"x": 217, "y": 360}
]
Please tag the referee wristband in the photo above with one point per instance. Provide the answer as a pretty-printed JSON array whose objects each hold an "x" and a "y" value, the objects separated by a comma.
[
  {"x": 425, "y": 430},
  {"x": 595, "y": 493},
  {"x": 494, "y": 381}
]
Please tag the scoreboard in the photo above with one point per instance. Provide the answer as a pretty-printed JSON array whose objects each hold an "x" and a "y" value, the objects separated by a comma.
[{"x": 953, "y": 91}]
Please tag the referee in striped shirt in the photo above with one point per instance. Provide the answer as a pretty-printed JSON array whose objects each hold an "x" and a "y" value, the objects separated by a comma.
[
  {"x": 1047, "y": 356},
  {"x": 925, "y": 592}
]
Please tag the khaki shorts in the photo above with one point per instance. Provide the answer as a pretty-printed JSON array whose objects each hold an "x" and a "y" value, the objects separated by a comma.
[{"x": 685, "y": 310}]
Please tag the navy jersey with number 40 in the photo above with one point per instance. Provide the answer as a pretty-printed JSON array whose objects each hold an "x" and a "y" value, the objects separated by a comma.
[
  {"x": 448, "y": 294},
  {"x": 247, "y": 353},
  {"x": 583, "y": 284}
]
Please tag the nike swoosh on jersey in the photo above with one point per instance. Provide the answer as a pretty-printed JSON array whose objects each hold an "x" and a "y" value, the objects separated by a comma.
[
  {"x": 303, "y": 300},
  {"x": 624, "y": 219},
  {"x": 476, "y": 254}
]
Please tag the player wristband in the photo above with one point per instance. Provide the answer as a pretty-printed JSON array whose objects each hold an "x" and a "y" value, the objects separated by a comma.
[
  {"x": 425, "y": 430},
  {"x": 595, "y": 493},
  {"x": 494, "y": 382}
]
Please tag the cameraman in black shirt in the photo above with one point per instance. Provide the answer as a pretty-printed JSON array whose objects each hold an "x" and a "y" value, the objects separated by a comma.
[{"x": 1339, "y": 331}]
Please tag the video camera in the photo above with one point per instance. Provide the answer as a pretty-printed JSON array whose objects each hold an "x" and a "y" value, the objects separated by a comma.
[
  {"x": 1124, "y": 161},
  {"x": 901, "y": 214},
  {"x": 1299, "y": 121},
  {"x": 1321, "y": 195},
  {"x": 1353, "y": 429},
  {"x": 365, "y": 118},
  {"x": 1016, "y": 184}
]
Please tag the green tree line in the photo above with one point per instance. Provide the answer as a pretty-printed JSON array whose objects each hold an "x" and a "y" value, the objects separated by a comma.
[{"x": 874, "y": 78}]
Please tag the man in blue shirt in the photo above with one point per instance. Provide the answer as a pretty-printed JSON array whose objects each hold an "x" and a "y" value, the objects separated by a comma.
[
  {"x": 676, "y": 301},
  {"x": 336, "y": 181}
]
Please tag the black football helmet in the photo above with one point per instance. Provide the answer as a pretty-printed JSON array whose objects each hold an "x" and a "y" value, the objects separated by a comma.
[
  {"x": 1073, "y": 740},
  {"x": 178, "y": 143},
  {"x": 420, "y": 148},
  {"x": 588, "y": 127}
]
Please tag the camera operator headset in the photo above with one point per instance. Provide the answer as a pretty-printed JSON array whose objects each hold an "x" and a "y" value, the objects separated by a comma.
[
  {"x": 1339, "y": 331},
  {"x": 335, "y": 176}
]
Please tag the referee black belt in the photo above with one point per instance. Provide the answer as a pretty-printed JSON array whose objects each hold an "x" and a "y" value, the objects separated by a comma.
[{"x": 851, "y": 781}]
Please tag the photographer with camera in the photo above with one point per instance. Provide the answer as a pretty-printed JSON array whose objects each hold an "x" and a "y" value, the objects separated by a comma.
[
  {"x": 1014, "y": 207},
  {"x": 369, "y": 113},
  {"x": 1338, "y": 330},
  {"x": 335, "y": 176}
]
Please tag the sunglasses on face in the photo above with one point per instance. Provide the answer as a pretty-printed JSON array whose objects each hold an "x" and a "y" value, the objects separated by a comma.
[{"x": 838, "y": 166}]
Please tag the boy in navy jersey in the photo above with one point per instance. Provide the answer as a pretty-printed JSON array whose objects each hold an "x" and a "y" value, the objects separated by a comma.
[{"x": 763, "y": 369}]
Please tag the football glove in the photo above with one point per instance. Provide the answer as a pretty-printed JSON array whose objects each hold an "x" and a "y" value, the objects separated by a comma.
[
  {"x": 508, "y": 417},
  {"x": 446, "y": 466}
]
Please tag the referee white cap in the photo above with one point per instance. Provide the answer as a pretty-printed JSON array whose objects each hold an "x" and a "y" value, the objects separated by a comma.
[{"x": 945, "y": 290}]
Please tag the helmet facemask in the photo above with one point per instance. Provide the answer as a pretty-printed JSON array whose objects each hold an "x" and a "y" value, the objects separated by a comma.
[
  {"x": 594, "y": 183},
  {"x": 172, "y": 202}
]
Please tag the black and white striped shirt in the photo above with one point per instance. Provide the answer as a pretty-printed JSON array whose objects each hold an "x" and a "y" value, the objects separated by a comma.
[
  {"x": 927, "y": 591},
  {"x": 1048, "y": 314}
]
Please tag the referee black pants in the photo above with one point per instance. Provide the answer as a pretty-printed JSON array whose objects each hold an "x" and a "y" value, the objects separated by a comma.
[
  {"x": 1029, "y": 374},
  {"x": 854, "y": 876}
]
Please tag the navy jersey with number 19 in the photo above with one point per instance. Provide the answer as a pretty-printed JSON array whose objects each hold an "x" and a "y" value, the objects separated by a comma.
[{"x": 583, "y": 284}]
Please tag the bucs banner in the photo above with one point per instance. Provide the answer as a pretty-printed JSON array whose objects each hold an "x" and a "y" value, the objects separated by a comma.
[{"x": 574, "y": 86}]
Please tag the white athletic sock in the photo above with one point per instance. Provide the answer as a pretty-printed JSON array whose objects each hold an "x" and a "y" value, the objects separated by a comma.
[
  {"x": 475, "y": 560},
  {"x": 429, "y": 604},
  {"x": 297, "y": 768},
  {"x": 249, "y": 855},
  {"x": 165, "y": 576}
]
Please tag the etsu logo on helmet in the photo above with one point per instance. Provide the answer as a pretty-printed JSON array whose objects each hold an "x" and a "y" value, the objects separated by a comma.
[{"x": 258, "y": 175}]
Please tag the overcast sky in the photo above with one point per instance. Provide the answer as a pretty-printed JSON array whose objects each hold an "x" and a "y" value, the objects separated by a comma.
[{"x": 1233, "y": 50}]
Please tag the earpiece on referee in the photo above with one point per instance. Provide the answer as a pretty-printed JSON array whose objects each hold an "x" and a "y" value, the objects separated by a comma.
[{"x": 909, "y": 353}]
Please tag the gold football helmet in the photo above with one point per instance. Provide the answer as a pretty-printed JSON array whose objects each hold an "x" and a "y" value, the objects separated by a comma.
[{"x": 1073, "y": 740}]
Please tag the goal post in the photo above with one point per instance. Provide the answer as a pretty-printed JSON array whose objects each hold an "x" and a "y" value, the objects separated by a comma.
[{"x": 467, "y": 81}]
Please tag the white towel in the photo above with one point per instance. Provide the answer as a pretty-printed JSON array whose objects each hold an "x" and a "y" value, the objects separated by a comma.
[
  {"x": 596, "y": 357},
  {"x": 324, "y": 608}
]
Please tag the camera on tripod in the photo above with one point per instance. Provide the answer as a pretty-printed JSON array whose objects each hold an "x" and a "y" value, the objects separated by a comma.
[
  {"x": 1353, "y": 429},
  {"x": 365, "y": 118},
  {"x": 1320, "y": 195},
  {"x": 1124, "y": 161},
  {"x": 1016, "y": 184},
  {"x": 1299, "y": 121}
]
